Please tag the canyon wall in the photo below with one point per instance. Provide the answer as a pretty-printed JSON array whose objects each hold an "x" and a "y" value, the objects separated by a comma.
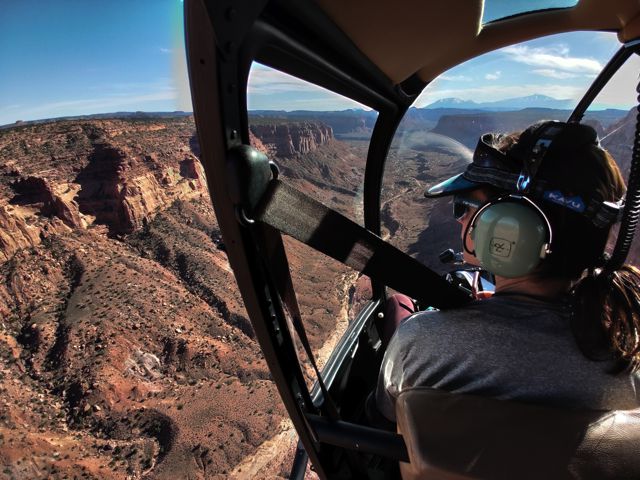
[
  {"x": 68, "y": 175},
  {"x": 289, "y": 139},
  {"x": 125, "y": 348}
]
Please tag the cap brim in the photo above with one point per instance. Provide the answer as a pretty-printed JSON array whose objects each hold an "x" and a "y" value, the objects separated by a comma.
[{"x": 451, "y": 186}]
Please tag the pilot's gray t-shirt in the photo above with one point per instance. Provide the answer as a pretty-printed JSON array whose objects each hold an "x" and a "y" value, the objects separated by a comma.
[{"x": 507, "y": 347}]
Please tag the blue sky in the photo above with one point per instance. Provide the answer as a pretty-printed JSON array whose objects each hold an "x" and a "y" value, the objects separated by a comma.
[
  {"x": 73, "y": 57},
  {"x": 560, "y": 66},
  {"x": 495, "y": 9}
]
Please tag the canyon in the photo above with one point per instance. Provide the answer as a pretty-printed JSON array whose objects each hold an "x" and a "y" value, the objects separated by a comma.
[{"x": 125, "y": 348}]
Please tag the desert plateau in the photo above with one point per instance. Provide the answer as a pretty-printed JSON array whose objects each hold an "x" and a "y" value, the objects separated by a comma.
[{"x": 125, "y": 349}]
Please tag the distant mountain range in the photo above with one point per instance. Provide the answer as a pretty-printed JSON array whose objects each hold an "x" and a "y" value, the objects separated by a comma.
[
  {"x": 102, "y": 116},
  {"x": 531, "y": 101},
  {"x": 503, "y": 115},
  {"x": 360, "y": 122}
]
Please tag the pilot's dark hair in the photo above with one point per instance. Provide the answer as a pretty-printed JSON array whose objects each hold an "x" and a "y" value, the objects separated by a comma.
[{"x": 606, "y": 304}]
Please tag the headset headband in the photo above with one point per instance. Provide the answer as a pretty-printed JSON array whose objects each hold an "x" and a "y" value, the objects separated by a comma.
[
  {"x": 531, "y": 163},
  {"x": 516, "y": 171}
]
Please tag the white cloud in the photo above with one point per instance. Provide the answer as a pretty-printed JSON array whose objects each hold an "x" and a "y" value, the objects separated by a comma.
[
  {"x": 108, "y": 103},
  {"x": 266, "y": 87},
  {"x": 552, "y": 58},
  {"x": 131, "y": 88},
  {"x": 166, "y": 50},
  {"x": 493, "y": 76},
  {"x": 264, "y": 80},
  {"x": 490, "y": 93},
  {"x": 620, "y": 92},
  {"x": 551, "y": 73},
  {"x": 455, "y": 78},
  {"x": 112, "y": 101},
  {"x": 327, "y": 102}
]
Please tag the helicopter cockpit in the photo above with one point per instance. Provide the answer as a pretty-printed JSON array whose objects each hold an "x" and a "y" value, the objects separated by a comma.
[{"x": 382, "y": 56}]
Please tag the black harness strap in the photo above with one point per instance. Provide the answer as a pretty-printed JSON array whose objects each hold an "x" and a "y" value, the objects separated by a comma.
[
  {"x": 278, "y": 207},
  {"x": 250, "y": 174},
  {"x": 303, "y": 218},
  {"x": 275, "y": 259}
]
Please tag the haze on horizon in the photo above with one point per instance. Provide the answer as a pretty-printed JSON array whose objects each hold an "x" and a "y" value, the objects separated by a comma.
[{"x": 69, "y": 57}]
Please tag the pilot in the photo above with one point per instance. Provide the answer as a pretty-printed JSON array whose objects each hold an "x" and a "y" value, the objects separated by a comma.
[{"x": 562, "y": 329}]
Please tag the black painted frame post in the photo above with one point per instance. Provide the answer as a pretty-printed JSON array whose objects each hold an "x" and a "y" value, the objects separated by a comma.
[
  {"x": 610, "y": 69},
  {"x": 219, "y": 122},
  {"x": 381, "y": 138}
]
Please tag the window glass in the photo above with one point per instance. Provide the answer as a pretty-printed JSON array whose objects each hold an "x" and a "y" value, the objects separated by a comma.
[
  {"x": 613, "y": 114},
  {"x": 496, "y": 9},
  {"x": 125, "y": 348},
  {"x": 502, "y": 91},
  {"x": 319, "y": 140},
  {"x": 330, "y": 296}
]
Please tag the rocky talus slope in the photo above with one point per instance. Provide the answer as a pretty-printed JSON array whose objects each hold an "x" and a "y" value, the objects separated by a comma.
[{"x": 125, "y": 349}]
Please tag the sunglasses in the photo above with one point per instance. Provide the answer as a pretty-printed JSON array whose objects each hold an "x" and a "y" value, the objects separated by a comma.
[{"x": 461, "y": 206}]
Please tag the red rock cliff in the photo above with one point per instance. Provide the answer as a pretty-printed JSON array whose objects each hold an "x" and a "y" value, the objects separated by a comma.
[
  {"x": 290, "y": 139},
  {"x": 70, "y": 175}
]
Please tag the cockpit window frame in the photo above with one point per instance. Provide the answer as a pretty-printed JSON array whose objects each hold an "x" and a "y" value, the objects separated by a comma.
[
  {"x": 222, "y": 44},
  {"x": 607, "y": 73}
]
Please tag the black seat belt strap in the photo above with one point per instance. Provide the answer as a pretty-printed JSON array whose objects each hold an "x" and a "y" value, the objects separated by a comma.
[
  {"x": 275, "y": 258},
  {"x": 292, "y": 212},
  {"x": 255, "y": 190},
  {"x": 250, "y": 174}
]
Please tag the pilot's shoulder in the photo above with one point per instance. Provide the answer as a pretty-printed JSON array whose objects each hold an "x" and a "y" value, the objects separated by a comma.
[
  {"x": 469, "y": 311},
  {"x": 446, "y": 323}
]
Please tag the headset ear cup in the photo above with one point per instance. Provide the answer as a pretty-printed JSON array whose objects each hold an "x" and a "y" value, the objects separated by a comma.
[{"x": 508, "y": 238}]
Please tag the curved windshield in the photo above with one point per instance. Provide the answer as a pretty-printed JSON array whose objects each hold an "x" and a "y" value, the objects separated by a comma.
[
  {"x": 613, "y": 114},
  {"x": 501, "y": 91},
  {"x": 319, "y": 140},
  {"x": 497, "y": 9}
]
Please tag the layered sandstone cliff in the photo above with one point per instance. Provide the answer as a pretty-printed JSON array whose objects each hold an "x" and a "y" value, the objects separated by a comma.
[
  {"x": 67, "y": 175},
  {"x": 289, "y": 139},
  {"x": 467, "y": 128},
  {"x": 125, "y": 349}
]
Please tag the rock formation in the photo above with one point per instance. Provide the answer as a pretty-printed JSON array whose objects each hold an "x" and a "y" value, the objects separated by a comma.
[
  {"x": 88, "y": 173},
  {"x": 125, "y": 350},
  {"x": 293, "y": 138},
  {"x": 15, "y": 233}
]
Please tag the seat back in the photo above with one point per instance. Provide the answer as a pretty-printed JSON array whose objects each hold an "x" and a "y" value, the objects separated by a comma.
[{"x": 452, "y": 436}]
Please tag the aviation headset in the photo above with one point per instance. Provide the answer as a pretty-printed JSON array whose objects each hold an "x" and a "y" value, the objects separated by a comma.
[{"x": 511, "y": 233}]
